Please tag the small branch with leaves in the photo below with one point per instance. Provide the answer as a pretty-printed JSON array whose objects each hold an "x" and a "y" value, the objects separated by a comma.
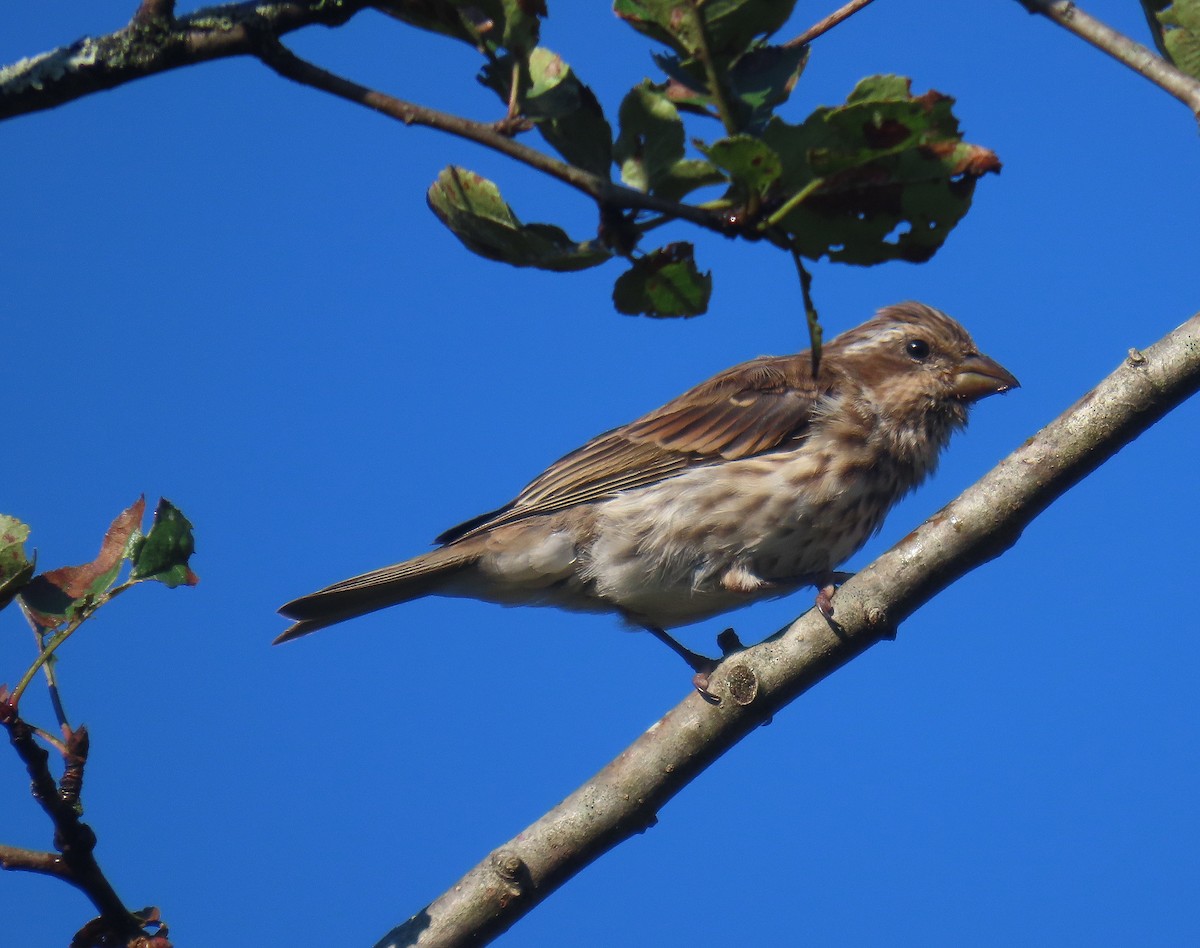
[
  {"x": 885, "y": 176},
  {"x": 57, "y": 603}
]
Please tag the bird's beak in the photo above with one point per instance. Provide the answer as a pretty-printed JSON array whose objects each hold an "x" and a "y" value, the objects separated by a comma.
[{"x": 978, "y": 377}]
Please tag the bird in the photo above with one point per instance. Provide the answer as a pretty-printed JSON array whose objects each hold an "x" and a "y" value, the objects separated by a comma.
[{"x": 751, "y": 485}]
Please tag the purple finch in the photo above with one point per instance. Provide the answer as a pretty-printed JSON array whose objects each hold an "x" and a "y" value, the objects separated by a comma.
[{"x": 759, "y": 481}]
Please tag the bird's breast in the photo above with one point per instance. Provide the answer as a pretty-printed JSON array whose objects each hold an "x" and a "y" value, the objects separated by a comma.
[{"x": 718, "y": 536}]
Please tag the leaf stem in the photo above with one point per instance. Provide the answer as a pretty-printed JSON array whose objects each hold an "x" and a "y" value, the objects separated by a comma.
[
  {"x": 815, "y": 333},
  {"x": 791, "y": 204},
  {"x": 716, "y": 84},
  {"x": 59, "y": 637}
]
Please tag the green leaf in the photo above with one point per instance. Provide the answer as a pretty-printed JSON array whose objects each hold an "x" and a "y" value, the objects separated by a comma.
[
  {"x": 884, "y": 177},
  {"x": 15, "y": 568},
  {"x": 685, "y": 176},
  {"x": 163, "y": 554},
  {"x": 472, "y": 208},
  {"x": 55, "y": 597},
  {"x": 437, "y": 16},
  {"x": 521, "y": 25},
  {"x": 489, "y": 25},
  {"x": 730, "y": 26},
  {"x": 762, "y": 80},
  {"x": 566, "y": 111},
  {"x": 1176, "y": 28},
  {"x": 583, "y": 137},
  {"x": 750, "y": 163},
  {"x": 883, "y": 88},
  {"x": 664, "y": 282},
  {"x": 651, "y": 139}
]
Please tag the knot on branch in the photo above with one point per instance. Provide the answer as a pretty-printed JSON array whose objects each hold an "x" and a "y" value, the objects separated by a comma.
[
  {"x": 879, "y": 623},
  {"x": 514, "y": 875}
]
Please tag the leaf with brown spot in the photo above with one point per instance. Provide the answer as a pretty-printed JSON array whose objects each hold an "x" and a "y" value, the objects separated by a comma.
[{"x": 886, "y": 176}]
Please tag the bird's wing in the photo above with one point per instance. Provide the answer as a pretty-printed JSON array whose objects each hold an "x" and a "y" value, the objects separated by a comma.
[{"x": 747, "y": 410}]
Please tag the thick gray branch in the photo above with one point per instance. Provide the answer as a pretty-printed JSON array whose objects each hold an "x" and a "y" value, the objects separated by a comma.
[
  {"x": 1137, "y": 57},
  {"x": 152, "y": 42},
  {"x": 624, "y": 798}
]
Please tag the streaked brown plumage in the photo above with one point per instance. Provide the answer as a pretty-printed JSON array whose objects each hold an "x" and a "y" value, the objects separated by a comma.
[{"x": 748, "y": 486}]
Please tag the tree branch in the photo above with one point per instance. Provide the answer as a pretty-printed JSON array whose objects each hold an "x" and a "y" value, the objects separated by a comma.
[
  {"x": 827, "y": 24},
  {"x": 600, "y": 189},
  {"x": 153, "y": 42},
  {"x": 1137, "y": 57},
  {"x": 15, "y": 858},
  {"x": 623, "y": 799},
  {"x": 73, "y": 838}
]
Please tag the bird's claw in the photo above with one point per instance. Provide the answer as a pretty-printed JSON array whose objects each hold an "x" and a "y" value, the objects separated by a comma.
[
  {"x": 700, "y": 682},
  {"x": 825, "y": 600},
  {"x": 827, "y": 585}
]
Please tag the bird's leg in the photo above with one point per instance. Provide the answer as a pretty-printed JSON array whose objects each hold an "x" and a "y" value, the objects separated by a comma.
[
  {"x": 827, "y": 584},
  {"x": 728, "y": 642},
  {"x": 700, "y": 664}
]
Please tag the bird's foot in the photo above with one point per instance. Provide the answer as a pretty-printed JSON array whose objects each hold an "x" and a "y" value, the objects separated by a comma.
[
  {"x": 702, "y": 665},
  {"x": 701, "y": 678},
  {"x": 827, "y": 584},
  {"x": 728, "y": 642}
]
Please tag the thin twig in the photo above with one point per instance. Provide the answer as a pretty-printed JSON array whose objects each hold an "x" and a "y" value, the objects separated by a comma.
[
  {"x": 289, "y": 65},
  {"x": 39, "y": 637},
  {"x": 47, "y": 652},
  {"x": 811, "y": 317},
  {"x": 625, "y": 797},
  {"x": 827, "y": 24},
  {"x": 1141, "y": 59}
]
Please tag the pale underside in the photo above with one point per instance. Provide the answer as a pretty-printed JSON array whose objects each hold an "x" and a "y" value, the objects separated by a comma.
[{"x": 705, "y": 541}]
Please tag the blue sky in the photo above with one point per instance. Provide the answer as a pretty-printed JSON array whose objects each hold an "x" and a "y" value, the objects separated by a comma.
[{"x": 226, "y": 289}]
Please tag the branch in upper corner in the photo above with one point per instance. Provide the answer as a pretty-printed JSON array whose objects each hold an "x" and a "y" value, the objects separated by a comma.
[
  {"x": 153, "y": 42},
  {"x": 827, "y": 24},
  {"x": 1139, "y": 58},
  {"x": 985, "y": 520}
]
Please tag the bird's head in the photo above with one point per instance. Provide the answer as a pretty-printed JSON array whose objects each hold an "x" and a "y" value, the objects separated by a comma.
[
  {"x": 912, "y": 358},
  {"x": 917, "y": 369}
]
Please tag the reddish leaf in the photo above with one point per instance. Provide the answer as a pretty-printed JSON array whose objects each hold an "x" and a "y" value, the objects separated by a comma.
[{"x": 53, "y": 597}]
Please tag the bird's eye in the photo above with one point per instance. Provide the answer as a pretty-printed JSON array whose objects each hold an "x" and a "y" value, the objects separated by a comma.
[{"x": 917, "y": 348}]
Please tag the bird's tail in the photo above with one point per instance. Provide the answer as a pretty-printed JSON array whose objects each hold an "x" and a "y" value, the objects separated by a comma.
[{"x": 420, "y": 576}]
